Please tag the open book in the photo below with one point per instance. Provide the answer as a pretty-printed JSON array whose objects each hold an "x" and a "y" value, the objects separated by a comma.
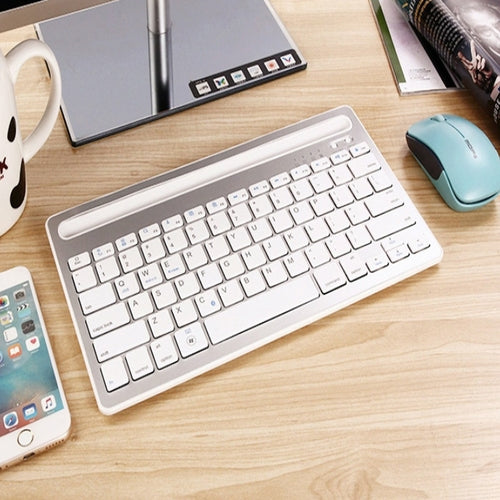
[{"x": 466, "y": 36}]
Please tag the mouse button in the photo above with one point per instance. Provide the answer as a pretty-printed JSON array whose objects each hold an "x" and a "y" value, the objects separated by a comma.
[
  {"x": 425, "y": 156},
  {"x": 438, "y": 118}
]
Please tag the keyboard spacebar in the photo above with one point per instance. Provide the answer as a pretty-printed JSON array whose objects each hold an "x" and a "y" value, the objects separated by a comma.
[{"x": 261, "y": 308}]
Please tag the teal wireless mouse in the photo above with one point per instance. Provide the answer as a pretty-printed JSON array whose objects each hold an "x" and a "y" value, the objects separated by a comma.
[{"x": 459, "y": 159}]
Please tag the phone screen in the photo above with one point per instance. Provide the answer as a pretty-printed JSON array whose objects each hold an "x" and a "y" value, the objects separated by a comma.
[{"x": 28, "y": 386}]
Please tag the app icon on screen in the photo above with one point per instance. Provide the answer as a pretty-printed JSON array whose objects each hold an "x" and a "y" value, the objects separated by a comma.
[
  {"x": 14, "y": 351},
  {"x": 28, "y": 326},
  {"x": 32, "y": 343},
  {"x": 10, "y": 420},
  {"x": 10, "y": 334},
  {"x": 4, "y": 302},
  {"x": 6, "y": 318},
  {"x": 29, "y": 411},
  {"x": 49, "y": 403}
]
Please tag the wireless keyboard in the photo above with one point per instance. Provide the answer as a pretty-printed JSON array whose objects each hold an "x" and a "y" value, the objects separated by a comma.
[{"x": 176, "y": 275}]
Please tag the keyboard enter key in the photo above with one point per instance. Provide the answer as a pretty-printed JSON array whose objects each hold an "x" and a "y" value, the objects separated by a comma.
[{"x": 383, "y": 202}]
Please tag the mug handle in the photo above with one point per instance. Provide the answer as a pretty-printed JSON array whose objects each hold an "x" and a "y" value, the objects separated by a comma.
[{"x": 15, "y": 59}]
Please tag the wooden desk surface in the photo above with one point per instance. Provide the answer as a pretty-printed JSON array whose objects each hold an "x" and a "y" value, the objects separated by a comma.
[{"x": 396, "y": 397}]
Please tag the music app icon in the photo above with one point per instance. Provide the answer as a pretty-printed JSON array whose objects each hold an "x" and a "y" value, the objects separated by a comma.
[{"x": 49, "y": 403}]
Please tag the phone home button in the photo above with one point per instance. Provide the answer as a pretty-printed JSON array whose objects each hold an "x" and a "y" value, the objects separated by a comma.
[{"x": 25, "y": 437}]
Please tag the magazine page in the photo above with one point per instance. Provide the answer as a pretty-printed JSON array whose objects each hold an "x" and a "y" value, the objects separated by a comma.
[
  {"x": 416, "y": 67},
  {"x": 466, "y": 34}
]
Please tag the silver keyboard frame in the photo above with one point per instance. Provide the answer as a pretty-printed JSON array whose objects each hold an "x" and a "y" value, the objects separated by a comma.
[{"x": 119, "y": 213}]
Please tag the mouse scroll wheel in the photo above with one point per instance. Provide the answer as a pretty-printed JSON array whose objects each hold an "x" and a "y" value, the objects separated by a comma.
[{"x": 438, "y": 118}]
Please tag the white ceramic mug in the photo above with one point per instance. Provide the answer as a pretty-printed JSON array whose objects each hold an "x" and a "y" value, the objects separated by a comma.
[{"x": 14, "y": 151}]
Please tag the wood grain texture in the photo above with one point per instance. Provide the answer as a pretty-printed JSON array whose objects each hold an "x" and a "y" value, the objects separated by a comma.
[{"x": 396, "y": 397}]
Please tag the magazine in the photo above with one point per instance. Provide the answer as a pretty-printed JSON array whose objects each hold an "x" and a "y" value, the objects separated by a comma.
[
  {"x": 416, "y": 67},
  {"x": 466, "y": 35}
]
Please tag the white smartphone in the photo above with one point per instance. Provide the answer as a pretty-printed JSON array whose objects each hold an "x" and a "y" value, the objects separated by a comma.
[{"x": 34, "y": 414}]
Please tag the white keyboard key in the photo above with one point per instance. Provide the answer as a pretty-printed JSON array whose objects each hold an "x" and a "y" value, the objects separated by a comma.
[
  {"x": 296, "y": 239},
  {"x": 240, "y": 214},
  {"x": 130, "y": 259},
  {"x": 232, "y": 266},
  {"x": 338, "y": 245},
  {"x": 260, "y": 206},
  {"x": 114, "y": 374},
  {"x": 358, "y": 237},
  {"x": 122, "y": 340},
  {"x": 191, "y": 340},
  {"x": 340, "y": 175},
  {"x": 383, "y": 202},
  {"x": 207, "y": 303},
  {"x": 281, "y": 198},
  {"x": 320, "y": 164},
  {"x": 187, "y": 286},
  {"x": 171, "y": 223},
  {"x": 274, "y": 274},
  {"x": 108, "y": 319},
  {"x": 337, "y": 221},
  {"x": 150, "y": 276},
  {"x": 79, "y": 261},
  {"x": 359, "y": 149},
  {"x": 321, "y": 182},
  {"x": 239, "y": 239},
  {"x": 364, "y": 165},
  {"x": 357, "y": 214},
  {"x": 149, "y": 232},
  {"x": 353, "y": 267},
  {"x": 164, "y": 352},
  {"x": 342, "y": 196},
  {"x": 197, "y": 232},
  {"x": 126, "y": 241},
  {"x": 164, "y": 295},
  {"x": 216, "y": 205},
  {"x": 377, "y": 260},
  {"x": 175, "y": 240},
  {"x": 260, "y": 230},
  {"x": 152, "y": 250},
  {"x": 253, "y": 257},
  {"x": 173, "y": 266},
  {"x": 219, "y": 223},
  {"x": 340, "y": 156},
  {"x": 103, "y": 251},
  {"x": 300, "y": 172},
  {"x": 302, "y": 212},
  {"x": 140, "y": 305},
  {"x": 97, "y": 298},
  {"x": 259, "y": 188},
  {"x": 160, "y": 323},
  {"x": 275, "y": 248},
  {"x": 379, "y": 181},
  {"x": 322, "y": 204},
  {"x": 209, "y": 276},
  {"x": 317, "y": 254},
  {"x": 361, "y": 188},
  {"x": 398, "y": 253},
  {"x": 280, "y": 180},
  {"x": 238, "y": 197},
  {"x": 127, "y": 285},
  {"x": 139, "y": 363},
  {"x": 217, "y": 248},
  {"x": 230, "y": 293},
  {"x": 301, "y": 189},
  {"x": 281, "y": 221},
  {"x": 194, "y": 214},
  {"x": 195, "y": 257},
  {"x": 390, "y": 223},
  {"x": 273, "y": 303},
  {"x": 107, "y": 269},
  {"x": 253, "y": 283},
  {"x": 418, "y": 243},
  {"x": 330, "y": 277},
  {"x": 317, "y": 230},
  {"x": 84, "y": 279}
]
